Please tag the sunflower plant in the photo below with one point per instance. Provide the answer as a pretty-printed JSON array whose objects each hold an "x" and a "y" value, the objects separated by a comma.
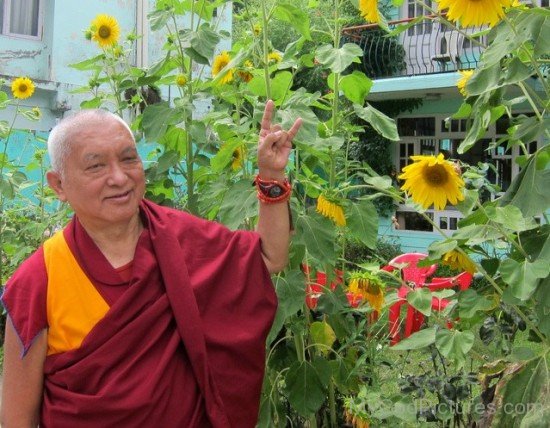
[
  {"x": 321, "y": 357},
  {"x": 502, "y": 238},
  {"x": 23, "y": 218}
]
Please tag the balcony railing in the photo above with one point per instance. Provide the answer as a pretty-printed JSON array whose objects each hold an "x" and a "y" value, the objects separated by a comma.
[{"x": 425, "y": 47}]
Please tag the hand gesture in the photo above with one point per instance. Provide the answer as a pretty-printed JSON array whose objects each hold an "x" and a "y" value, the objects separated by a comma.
[{"x": 274, "y": 145}]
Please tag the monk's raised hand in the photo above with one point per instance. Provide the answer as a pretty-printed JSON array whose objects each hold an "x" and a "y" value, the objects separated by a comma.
[{"x": 274, "y": 145}]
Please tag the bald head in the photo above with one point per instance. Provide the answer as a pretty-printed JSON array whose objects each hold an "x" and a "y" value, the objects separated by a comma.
[{"x": 66, "y": 132}]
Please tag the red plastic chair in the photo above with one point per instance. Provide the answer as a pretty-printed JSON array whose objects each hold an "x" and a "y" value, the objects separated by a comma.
[
  {"x": 415, "y": 318},
  {"x": 461, "y": 281},
  {"x": 415, "y": 276},
  {"x": 317, "y": 284}
]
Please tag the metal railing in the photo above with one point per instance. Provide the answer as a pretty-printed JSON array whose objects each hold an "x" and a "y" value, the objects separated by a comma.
[{"x": 425, "y": 47}]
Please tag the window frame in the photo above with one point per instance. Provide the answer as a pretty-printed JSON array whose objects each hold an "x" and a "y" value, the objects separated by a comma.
[{"x": 5, "y": 30}]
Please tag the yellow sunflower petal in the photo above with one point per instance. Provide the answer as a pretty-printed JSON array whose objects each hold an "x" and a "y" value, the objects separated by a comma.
[
  {"x": 432, "y": 180},
  {"x": 472, "y": 13},
  {"x": 220, "y": 61},
  {"x": 22, "y": 88},
  {"x": 105, "y": 30},
  {"x": 369, "y": 10}
]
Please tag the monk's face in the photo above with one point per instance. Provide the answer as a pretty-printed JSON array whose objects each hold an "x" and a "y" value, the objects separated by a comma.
[{"x": 103, "y": 179}]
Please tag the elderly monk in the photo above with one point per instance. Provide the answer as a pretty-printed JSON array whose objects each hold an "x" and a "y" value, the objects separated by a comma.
[{"x": 137, "y": 315}]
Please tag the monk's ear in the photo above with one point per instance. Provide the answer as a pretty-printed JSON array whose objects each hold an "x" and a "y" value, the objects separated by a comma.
[{"x": 56, "y": 183}]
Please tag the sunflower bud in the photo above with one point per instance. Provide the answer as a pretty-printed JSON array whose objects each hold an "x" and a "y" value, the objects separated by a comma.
[{"x": 181, "y": 80}]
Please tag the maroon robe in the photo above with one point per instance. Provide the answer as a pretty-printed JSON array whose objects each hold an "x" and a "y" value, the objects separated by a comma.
[{"x": 183, "y": 346}]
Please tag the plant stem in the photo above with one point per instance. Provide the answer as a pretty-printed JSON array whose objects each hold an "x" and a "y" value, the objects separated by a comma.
[
  {"x": 265, "y": 51},
  {"x": 332, "y": 404}
]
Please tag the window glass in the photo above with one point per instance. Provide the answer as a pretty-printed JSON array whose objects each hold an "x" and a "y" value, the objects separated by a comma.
[
  {"x": 415, "y": 126},
  {"x": 1, "y": 15},
  {"x": 24, "y": 17},
  {"x": 414, "y": 221}
]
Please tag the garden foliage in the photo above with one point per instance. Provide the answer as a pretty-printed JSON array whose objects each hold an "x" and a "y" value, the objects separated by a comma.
[{"x": 330, "y": 360}]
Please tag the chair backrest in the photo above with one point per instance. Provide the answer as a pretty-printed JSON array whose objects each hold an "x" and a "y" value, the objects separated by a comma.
[{"x": 411, "y": 272}]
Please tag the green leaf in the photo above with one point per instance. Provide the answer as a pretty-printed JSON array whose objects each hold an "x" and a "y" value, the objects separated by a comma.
[
  {"x": 156, "y": 119},
  {"x": 322, "y": 334},
  {"x": 6, "y": 188},
  {"x": 239, "y": 203},
  {"x": 257, "y": 86},
  {"x": 319, "y": 235},
  {"x": 528, "y": 389},
  {"x": 477, "y": 234},
  {"x": 534, "y": 27},
  {"x": 484, "y": 80},
  {"x": 339, "y": 59},
  {"x": 290, "y": 292},
  {"x": 454, "y": 344},
  {"x": 93, "y": 103},
  {"x": 383, "y": 124},
  {"x": 418, "y": 340},
  {"x": 510, "y": 217},
  {"x": 421, "y": 300},
  {"x": 362, "y": 222},
  {"x": 4, "y": 128},
  {"x": 175, "y": 139},
  {"x": 203, "y": 41},
  {"x": 516, "y": 71},
  {"x": 304, "y": 388},
  {"x": 470, "y": 302},
  {"x": 307, "y": 134},
  {"x": 523, "y": 276},
  {"x": 438, "y": 248},
  {"x": 224, "y": 155},
  {"x": 280, "y": 85},
  {"x": 294, "y": 16},
  {"x": 167, "y": 160},
  {"x": 159, "y": 18},
  {"x": 89, "y": 64},
  {"x": 356, "y": 86},
  {"x": 529, "y": 189}
]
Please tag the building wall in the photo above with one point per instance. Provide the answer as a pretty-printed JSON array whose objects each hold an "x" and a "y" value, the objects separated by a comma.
[{"x": 47, "y": 61}]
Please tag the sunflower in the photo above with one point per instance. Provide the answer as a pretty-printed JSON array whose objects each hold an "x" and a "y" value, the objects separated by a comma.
[
  {"x": 463, "y": 81},
  {"x": 181, "y": 79},
  {"x": 331, "y": 210},
  {"x": 274, "y": 57},
  {"x": 238, "y": 157},
  {"x": 457, "y": 260},
  {"x": 220, "y": 62},
  {"x": 369, "y": 287},
  {"x": 472, "y": 13},
  {"x": 369, "y": 10},
  {"x": 22, "y": 88},
  {"x": 432, "y": 180},
  {"x": 105, "y": 30},
  {"x": 245, "y": 74}
]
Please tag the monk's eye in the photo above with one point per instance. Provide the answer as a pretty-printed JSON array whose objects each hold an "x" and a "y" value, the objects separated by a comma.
[{"x": 94, "y": 167}]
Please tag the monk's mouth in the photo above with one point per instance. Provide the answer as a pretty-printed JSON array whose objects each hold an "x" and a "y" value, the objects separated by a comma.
[{"x": 119, "y": 196}]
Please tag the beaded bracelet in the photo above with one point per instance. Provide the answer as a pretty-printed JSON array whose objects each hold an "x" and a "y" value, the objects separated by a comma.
[{"x": 273, "y": 191}]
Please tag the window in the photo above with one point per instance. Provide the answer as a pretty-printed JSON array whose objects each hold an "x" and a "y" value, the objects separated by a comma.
[
  {"x": 414, "y": 10},
  {"x": 21, "y": 18}
]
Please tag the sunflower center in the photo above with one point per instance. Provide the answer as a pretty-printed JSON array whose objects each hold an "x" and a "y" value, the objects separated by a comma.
[
  {"x": 104, "y": 31},
  {"x": 436, "y": 175},
  {"x": 23, "y": 87}
]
